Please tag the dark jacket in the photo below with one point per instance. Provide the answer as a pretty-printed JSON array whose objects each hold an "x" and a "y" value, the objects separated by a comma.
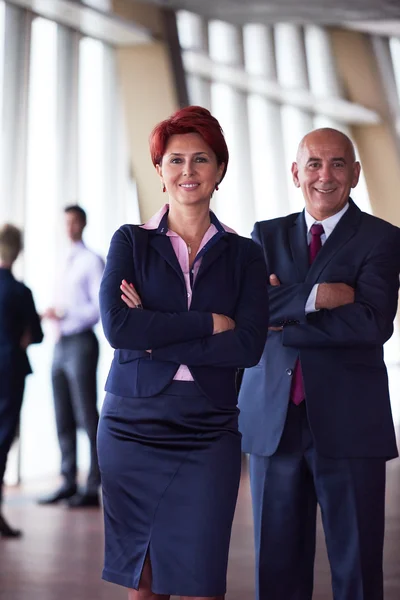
[
  {"x": 231, "y": 280},
  {"x": 17, "y": 315},
  {"x": 340, "y": 350}
]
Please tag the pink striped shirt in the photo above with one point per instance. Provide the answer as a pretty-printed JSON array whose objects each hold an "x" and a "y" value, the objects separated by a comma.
[{"x": 182, "y": 254}]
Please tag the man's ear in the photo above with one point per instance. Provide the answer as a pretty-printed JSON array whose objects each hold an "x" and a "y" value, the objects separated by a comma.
[
  {"x": 295, "y": 174},
  {"x": 356, "y": 174}
]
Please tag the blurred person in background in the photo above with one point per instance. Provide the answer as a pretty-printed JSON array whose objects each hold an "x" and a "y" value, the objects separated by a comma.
[
  {"x": 75, "y": 361},
  {"x": 184, "y": 302},
  {"x": 19, "y": 327}
]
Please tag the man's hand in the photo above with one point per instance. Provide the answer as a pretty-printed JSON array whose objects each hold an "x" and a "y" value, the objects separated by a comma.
[
  {"x": 129, "y": 295},
  {"x": 222, "y": 323},
  {"x": 51, "y": 313},
  {"x": 274, "y": 281},
  {"x": 333, "y": 295}
]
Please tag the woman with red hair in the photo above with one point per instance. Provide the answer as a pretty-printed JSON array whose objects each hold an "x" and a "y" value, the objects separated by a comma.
[{"x": 184, "y": 303}]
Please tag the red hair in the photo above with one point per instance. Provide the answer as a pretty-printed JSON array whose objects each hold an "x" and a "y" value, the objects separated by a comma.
[{"x": 191, "y": 119}]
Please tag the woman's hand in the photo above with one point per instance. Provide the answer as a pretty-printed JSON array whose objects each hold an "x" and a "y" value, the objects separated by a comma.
[
  {"x": 129, "y": 295},
  {"x": 222, "y": 323}
]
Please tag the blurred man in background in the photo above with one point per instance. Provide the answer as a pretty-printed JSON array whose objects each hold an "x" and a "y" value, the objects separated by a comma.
[
  {"x": 75, "y": 360},
  {"x": 19, "y": 327}
]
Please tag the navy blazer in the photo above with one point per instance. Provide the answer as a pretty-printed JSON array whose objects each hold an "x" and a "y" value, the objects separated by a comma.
[
  {"x": 232, "y": 280},
  {"x": 17, "y": 315},
  {"x": 341, "y": 350}
]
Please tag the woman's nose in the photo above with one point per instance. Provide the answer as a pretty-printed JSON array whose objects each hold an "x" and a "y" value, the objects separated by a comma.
[{"x": 188, "y": 168}]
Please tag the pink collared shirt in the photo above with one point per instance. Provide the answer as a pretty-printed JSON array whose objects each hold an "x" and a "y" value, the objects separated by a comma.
[{"x": 182, "y": 254}]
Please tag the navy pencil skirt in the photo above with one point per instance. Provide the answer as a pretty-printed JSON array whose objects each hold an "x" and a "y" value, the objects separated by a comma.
[{"x": 170, "y": 471}]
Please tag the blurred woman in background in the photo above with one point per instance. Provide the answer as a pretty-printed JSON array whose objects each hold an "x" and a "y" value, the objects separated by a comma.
[
  {"x": 19, "y": 327},
  {"x": 184, "y": 302}
]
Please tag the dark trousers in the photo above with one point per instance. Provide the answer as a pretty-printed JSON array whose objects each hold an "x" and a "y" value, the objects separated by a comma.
[
  {"x": 286, "y": 488},
  {"x": 75, "y": 400},
  {"x": 11, "y": 396}
]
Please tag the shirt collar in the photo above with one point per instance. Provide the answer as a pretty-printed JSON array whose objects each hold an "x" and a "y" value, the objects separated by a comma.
[
  {"x": 75, "y": 248},
  {"x": 159, "y": 221},
  {"x": 328, "y": 224}
]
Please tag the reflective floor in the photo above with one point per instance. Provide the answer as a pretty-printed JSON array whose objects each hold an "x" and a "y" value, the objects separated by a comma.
[{"x": 60, "y": 555}]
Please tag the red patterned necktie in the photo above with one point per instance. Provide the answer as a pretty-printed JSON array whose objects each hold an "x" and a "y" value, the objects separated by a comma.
[{"x": 297, "y": 392}]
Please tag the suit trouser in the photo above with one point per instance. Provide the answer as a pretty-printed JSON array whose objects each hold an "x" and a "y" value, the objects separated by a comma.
[
  {"x": 286, "y": 488},
  {"x": 75, "y": 400},
  {"x": 11, "y": 397}
]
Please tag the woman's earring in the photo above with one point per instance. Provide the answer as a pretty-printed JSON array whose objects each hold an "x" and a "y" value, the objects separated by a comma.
[
  {"x": 216, "y": 187},
  {"x": 164, "y": 189}
]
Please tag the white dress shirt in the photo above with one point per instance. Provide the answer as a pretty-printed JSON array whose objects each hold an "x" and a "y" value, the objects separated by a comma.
[
  {"x": 329, "y": 225},
  {"x": 78, "y": 290}
]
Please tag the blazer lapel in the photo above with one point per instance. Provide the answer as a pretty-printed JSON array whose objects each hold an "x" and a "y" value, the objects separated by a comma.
[
  {"x": 343, "y": 231},
  {"x": 163, "y": 245},
  {"x": 298, "y": 245}
]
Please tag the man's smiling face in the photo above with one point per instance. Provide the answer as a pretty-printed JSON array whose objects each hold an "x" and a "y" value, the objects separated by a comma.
[{"x": 325, "y": 170}]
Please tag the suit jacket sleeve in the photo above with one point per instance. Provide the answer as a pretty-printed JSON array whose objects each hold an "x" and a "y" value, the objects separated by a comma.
[
  {"x": 286, "y": 302},
  {"x": 135, "y": 329},
  {"x": 243, "y": 346},
  {"x": 32, "y": 318},
  {"x": 369, "y": 320}
]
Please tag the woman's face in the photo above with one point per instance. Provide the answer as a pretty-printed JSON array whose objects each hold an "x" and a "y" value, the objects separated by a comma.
[{"x": 189, "y": 169}]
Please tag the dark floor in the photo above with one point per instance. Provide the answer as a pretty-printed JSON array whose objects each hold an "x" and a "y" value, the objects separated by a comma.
[{"x": 60, "y": 555}]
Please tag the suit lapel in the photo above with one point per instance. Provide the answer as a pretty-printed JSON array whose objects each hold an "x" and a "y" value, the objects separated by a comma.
[
  {"x": 162, "y": 244},
  {"x": 344, "y": 230},
  {"x": 298, "y": 245}
]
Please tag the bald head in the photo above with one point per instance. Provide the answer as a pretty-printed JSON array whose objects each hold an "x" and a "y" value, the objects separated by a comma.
[
  {"x": 326, "y": 169},
  {"x": 325, "y": 135}
]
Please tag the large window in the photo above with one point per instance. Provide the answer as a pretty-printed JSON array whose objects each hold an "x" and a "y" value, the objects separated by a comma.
[
  {"x": 64, "y": 133},
  {"x": 268, "y": 86},
  {"x": 41, "y": 244},
  {"x": 92, "y": 139},
  {"x": 2, "y": 14}
]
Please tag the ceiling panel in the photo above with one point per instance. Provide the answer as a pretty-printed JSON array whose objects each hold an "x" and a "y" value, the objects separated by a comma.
[{"x": 303, "y": 11}]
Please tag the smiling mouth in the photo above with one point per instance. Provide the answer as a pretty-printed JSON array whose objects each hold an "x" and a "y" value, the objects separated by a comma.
[
  {"x": 322, "y": 191},
  {"x": 189, "y": 186}
]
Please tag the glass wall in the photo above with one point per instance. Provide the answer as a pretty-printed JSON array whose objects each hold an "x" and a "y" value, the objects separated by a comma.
[
  {"x": 63, "y": 132},
  {"x": 268, "y": 86}
]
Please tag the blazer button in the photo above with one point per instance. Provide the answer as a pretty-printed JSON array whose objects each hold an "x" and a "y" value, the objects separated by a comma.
[{"x": 289, "y": 372}]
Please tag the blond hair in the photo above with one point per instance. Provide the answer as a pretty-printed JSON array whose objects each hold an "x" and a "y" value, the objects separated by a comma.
[{"x": 10, "y": 243}]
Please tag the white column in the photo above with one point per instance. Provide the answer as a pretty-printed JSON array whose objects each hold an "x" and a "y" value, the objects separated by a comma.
[
  {"x": 322, "y": 71},
  {"x": 40, "y": 454},
  {"x": 3, "y": 201},
  {"x": 265, "y": 127},
  {"x": 234, "y": 202},
  {"x": 193, "y": 35},
  {"x": 292, "y": 74},
  {"x": 17, "y": 24},
  {"x": 67, "y": 115},
  {"x": 324, "y": 83}
]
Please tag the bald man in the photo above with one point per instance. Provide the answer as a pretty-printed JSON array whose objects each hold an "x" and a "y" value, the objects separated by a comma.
[{"x": 315, "y": 412}]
